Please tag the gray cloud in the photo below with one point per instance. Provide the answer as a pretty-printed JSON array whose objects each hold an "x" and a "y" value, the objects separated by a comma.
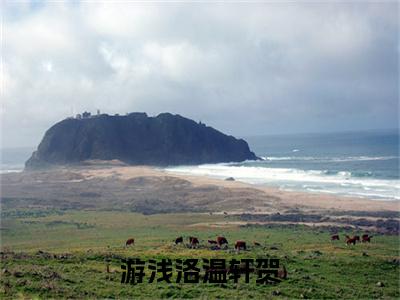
[{"x": 244, "y": 68}]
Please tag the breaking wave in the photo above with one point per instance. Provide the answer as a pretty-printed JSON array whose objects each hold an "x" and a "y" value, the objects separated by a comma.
[
  {"x": 359, "y": 184},
  {"x": 327, "y": 159}
]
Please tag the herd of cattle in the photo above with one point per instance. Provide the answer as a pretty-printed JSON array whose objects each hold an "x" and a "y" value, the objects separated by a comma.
[
  {"x": 221, "y": 242},
  {"x": 194, "y": 242},
  {"x": 365, "y": 238}
]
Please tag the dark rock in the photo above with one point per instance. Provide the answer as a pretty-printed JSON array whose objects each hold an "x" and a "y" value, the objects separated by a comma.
[
  {"x": 230, "y": 179},
  {"x": 138, "y": 140}
]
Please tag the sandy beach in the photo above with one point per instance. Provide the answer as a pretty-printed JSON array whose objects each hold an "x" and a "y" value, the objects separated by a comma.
[
  {"x": 284, "y": 199},
  {"x": 149, "y": 190}
]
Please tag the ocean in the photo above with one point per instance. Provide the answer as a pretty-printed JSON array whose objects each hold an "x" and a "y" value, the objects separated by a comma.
[
  {"x": 357, "y": 164},
  {"x": 13, "y": 159}
]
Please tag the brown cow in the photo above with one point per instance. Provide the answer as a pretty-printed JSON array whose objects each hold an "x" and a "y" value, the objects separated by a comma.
[
  {"x": 350, "y": 240},
  {"x": 335, "y": 237},
  {"x": 240, "y": 245},
  {"x": 366, "y": 238},
  {"x": 356, "y": 237},
  {"x": 221, "y": 240},
  {"x": 130, "y": 242},
  {"x": 178, "y": 240},
  {"x": 282, "y": 273},
  {"x": 192, "y": 238},
  {"x": 194, "y": 241}
]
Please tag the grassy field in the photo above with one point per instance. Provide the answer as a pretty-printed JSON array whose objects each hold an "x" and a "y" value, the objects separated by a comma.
[{"x": 53, "y": 254}]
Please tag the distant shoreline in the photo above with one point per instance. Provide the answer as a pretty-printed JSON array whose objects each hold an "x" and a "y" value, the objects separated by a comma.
[
  {"x": 287, "y": 199},
  {"x": 132, "y": 171},
  {"x": 150, "y": 190},
  {"x": 293, "y": 190}
]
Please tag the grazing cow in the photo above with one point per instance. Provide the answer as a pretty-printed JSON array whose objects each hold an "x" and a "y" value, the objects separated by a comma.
[
  {"x": 194, "y": 241},
  {"x": 282, "y": 273},
  {"x": 130, "y": 242},
  {"x": 366, "y": 238},
  {"x": 178, "y": 240},
  {"x": 335, "y": 237},
  {"x": 221, "y": 241},
  {"x": 212, "y": 242},
  {"x": 257, "y": 244},
  {"x": 350, "y": 240},
  {"x": 240, "y": 245},
  {"x": 356, "y": 237}
]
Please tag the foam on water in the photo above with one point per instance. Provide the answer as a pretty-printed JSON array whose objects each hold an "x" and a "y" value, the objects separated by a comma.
[
  {"x": 10, "y": 171},
  {"x": 343, "y": 183},
  {"x": 328, "y": 159}
]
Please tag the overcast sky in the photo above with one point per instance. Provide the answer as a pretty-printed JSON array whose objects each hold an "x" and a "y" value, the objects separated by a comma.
[{"x": 243, "y": 68}]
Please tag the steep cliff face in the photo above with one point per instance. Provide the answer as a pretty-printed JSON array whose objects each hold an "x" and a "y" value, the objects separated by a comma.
[{"x": 138, "y": 140}]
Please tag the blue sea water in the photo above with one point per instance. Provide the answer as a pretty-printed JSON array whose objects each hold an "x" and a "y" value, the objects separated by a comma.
[{"x": 357, "y": 164}]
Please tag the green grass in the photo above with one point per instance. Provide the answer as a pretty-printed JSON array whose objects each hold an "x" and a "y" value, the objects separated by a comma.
[{"x": 317, "y": 268}]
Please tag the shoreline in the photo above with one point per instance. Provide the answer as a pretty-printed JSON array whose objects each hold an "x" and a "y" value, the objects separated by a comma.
[
  {"x": 298, "y": 180},
  {"x": 278, "y": 188},
  {"x": 363, "y": 190},
  {"x": 273, "y": 199},
  {"x": 287, "y": 199},
  {"x": 154, "y": 191}
]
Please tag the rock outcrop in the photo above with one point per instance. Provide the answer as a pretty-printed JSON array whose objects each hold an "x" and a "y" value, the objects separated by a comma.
[{"x": 137, "y": 139}]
